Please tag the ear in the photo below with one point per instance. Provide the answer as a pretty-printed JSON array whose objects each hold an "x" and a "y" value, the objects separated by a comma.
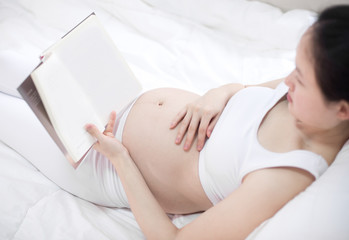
[{"x": 343, "y": 112}]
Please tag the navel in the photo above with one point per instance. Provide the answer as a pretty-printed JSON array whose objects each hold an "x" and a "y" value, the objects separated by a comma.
[{"x": 160, "y": 103}]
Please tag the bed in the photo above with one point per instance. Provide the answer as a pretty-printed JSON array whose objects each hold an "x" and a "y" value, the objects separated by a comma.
[{"x": 189, "y": 44}]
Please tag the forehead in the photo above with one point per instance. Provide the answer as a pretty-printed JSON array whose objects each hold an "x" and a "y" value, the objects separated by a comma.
[
  {"x": 304, "y": 49},
  {"x": 305, "y": 62}
]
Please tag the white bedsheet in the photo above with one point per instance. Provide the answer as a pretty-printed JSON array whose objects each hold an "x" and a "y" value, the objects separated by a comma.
[
  {"x": 221, "y": 41},
  {"x": 195, "y": 45}
]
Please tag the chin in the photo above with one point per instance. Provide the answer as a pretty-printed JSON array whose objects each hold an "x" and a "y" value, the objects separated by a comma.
[{"x": 299, "y": 124}]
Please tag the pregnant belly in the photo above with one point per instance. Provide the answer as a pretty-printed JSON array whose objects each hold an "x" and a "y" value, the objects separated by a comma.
[{"x": 170, "y": 172}]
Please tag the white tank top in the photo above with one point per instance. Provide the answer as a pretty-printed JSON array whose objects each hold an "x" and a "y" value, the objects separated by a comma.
[{"x": 233, "y": 150}]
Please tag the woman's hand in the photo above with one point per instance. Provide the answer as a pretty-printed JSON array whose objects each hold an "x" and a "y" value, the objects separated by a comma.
[
  {"x": 202, "y": 115},
  {"x": 106, "y": 143}
]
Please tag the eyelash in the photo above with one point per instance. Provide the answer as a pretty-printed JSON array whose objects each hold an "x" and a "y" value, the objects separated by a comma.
[{"x": 299, "y": 81}]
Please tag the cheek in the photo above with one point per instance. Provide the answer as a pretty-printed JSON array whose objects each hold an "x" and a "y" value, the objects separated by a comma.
[
  {"x": 301, "y": 101},
  {"x": 303, "y": 107},
  {"x": 310, "y": 111}
]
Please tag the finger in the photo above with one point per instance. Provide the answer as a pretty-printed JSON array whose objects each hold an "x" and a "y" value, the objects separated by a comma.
[
  {"x": 202, "y": 133},
  {"x": 179, "y": 117},
  {"x": 212, "y": 125},
  {"x": 94, "y": 132},
  {"x": 183, "y": 128},
  {"x": 111, "y": 122},
  {"x": 193, "y": 126}
]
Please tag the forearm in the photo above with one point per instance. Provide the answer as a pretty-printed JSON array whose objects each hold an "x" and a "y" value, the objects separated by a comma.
[
  {"x": 152, "y": 219},
  {"x": 231, "y": 89},
  {"x": 270, "y": 84},
  {"x": 150, "y": 216}
]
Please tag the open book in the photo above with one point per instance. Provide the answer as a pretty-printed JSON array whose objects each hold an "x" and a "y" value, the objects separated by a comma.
[{"x": 80, "y": 79}]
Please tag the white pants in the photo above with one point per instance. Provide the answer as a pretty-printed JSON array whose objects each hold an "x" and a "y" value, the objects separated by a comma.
[{"x": 94, "y": 180}]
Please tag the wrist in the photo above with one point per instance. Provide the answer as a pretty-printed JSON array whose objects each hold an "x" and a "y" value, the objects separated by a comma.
[
  {"x": 232, "y": 89},
  {"x": 120, "y": 157}
]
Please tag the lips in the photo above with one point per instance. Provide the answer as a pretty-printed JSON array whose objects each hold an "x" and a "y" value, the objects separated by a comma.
[{"x": 289, "y": 99}]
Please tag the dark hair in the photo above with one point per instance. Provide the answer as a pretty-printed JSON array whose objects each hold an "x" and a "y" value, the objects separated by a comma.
[{"x": 330, "y": 50}]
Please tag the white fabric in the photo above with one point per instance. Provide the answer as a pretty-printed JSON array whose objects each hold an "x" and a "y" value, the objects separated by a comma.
[
  {"x": 33, "y": 207},
  {"x": 193, "y": 44},
  {"x": 313, "y": 5},
  {"x": 233, "y": 149},
  {"x": 166, "y": 45}
]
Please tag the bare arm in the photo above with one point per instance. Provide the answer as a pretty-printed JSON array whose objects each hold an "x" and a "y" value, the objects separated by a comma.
[
  {"x": 202, "y": 115},
  {"x": 260, "y": 196}
]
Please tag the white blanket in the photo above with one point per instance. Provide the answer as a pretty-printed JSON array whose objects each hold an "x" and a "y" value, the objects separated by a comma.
[{"x": 190, "y": 44}]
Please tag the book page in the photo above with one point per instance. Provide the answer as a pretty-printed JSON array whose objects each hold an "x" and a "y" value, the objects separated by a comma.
[
  {"x": 82, "y": 78},
  {"x": 98, "y": 68},
  {"x": 30, "y": 94},
  {"x": 67, "y": 105}
]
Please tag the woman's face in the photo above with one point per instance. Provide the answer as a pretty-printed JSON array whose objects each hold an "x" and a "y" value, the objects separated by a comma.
[{"x": 306, "y": 101}]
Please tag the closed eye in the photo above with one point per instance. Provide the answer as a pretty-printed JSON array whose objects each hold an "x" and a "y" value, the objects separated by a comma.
[{"x": 299, "y": 81}]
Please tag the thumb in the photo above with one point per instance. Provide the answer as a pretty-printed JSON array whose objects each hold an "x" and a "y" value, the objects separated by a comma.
[{"x": 93, "y": 131}]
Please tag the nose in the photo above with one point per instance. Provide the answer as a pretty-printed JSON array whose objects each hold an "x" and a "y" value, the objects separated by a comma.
[{"x": 289, "y": 80}]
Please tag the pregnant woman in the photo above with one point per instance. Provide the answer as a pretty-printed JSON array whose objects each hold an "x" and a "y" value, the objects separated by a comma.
[
  {"x": 265, "y": 144},
  {"x": 237, "y": 154}
]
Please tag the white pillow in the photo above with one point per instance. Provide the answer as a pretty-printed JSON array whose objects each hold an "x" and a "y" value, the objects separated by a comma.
[
  {"x": 320, "y": 212},
  {"x": 253, "y": 20},
  {"x": 313, "y": 5}
]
